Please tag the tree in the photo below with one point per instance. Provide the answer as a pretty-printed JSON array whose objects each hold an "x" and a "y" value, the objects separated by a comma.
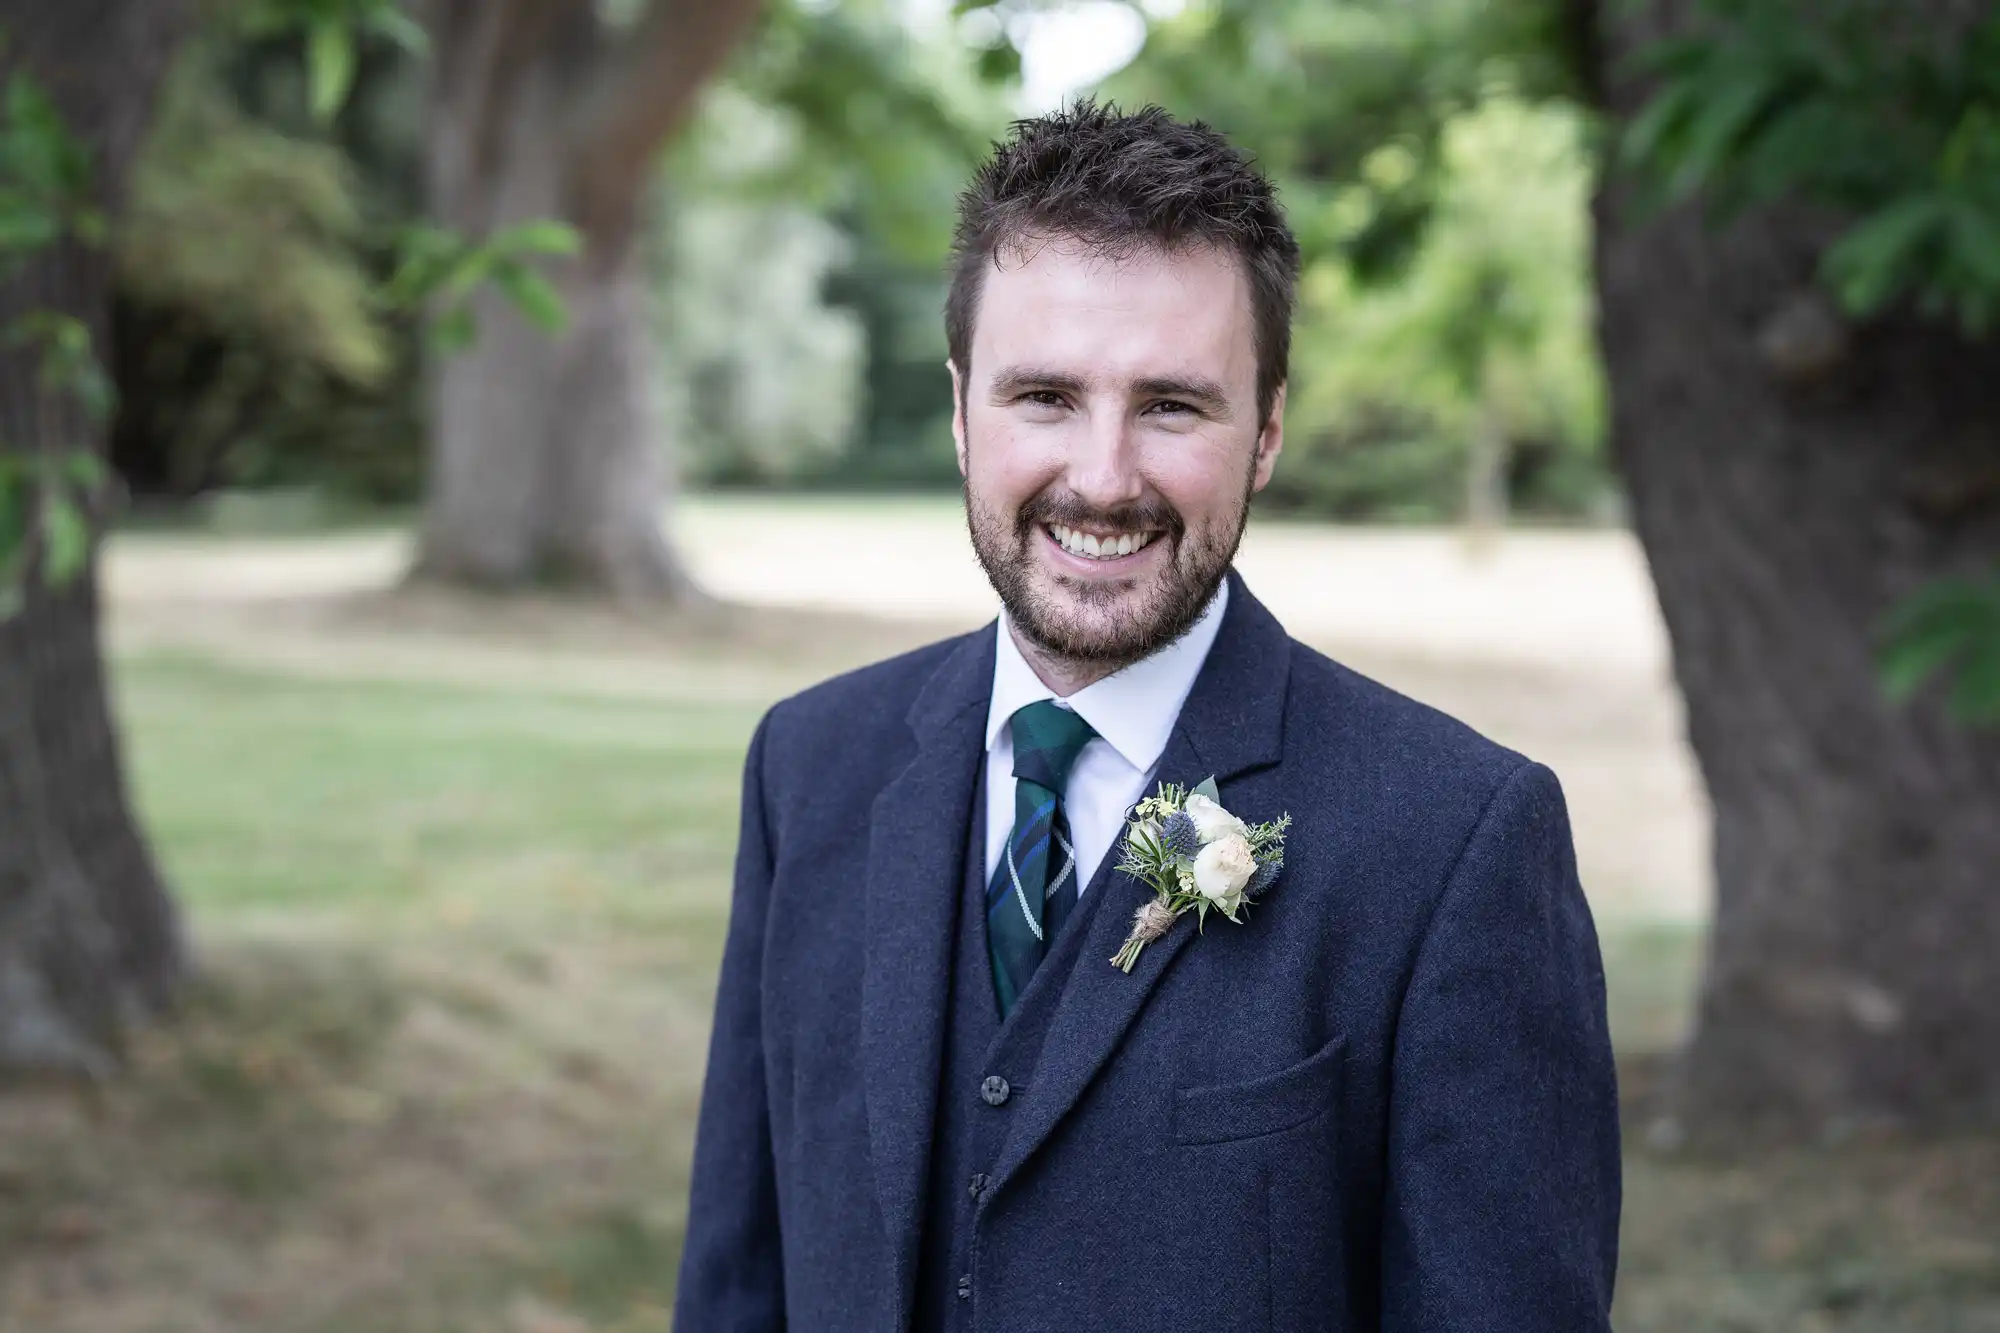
[
  {"x": 1797, "y": 269},
  {"x": 546, "y": 463},
  {"x": 1442, "y": 360},
  {"x": 248, "y": 338},
  {"x": 1797, "y": 468},
  {"x": 1480, "y": 344},
  {"x": 821, "y": 176},
  {"x": 88, "y": 935}
]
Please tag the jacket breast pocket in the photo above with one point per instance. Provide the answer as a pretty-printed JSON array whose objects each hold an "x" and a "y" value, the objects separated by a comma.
[{"x": 1225, "y": 1112}]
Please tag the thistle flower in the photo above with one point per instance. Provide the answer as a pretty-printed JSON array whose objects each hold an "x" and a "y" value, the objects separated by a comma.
[{"x": 1179, "y": 835}]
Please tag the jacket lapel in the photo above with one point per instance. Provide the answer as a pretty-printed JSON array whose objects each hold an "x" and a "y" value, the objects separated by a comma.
[
  {"x": 1231, "y": 724},
  {"x": 916, "y": 849}
]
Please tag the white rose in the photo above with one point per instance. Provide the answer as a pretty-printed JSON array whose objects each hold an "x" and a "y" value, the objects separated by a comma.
[
  {"x": 1147, "y": 830},
  {"x": 1211, "y": 821},
  {"x": 1222, "y": 868}
]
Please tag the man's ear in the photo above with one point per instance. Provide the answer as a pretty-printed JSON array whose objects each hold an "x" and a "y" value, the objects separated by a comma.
[
  {"x": 957, "y": 412},
  {"x": 1270, "y": 442}
]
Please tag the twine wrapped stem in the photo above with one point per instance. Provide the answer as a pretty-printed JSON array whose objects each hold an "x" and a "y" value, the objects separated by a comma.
[{"x": 1153, "y": 920}]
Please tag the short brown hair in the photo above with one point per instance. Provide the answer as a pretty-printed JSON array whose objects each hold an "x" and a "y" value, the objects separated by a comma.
[{"x": 1117, "y": 182}]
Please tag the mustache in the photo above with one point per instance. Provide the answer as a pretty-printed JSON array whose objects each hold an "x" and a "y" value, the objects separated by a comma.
[{"x": 1073, "y": 511}]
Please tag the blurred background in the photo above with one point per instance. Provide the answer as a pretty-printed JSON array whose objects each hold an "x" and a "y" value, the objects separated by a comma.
[{"x": 432, "y": 433}]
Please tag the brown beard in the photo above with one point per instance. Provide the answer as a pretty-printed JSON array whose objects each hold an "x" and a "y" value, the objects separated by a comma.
[{"x": 1144, "y": 619}]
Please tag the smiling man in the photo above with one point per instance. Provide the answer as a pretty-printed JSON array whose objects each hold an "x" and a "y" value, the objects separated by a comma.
[{"x": 1364, "y": 1085}]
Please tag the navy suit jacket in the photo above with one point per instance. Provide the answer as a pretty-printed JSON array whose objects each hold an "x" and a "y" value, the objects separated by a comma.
[{"x": 1385, "y": 1101}]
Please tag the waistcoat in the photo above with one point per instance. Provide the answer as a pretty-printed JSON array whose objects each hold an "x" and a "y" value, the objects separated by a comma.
[{"x": 987, "y": 1066}]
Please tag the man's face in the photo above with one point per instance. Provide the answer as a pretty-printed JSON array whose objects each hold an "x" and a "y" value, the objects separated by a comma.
[{"x": 1110, "y": 442}]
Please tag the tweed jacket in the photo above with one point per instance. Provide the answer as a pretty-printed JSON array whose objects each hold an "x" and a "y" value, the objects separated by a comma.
[{"x": 1385, "y": 1101}]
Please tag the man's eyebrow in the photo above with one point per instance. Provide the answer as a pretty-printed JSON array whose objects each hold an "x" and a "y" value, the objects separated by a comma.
[{"x": 1030, "y": 379}]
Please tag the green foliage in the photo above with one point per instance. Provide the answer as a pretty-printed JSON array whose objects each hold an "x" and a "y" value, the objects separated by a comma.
[
  {"x": 44, "y": 517},
  {"x": 45, "y": 177},
  {"x": 440, "y": 272},
  {"x": 68, "y": 363},
  {"x": 255, "y": 233},
  {"x": 805, "y": 227},
  {"x": 333, "y": 31},
  {"x": 275, "y": 281},
  {"x": 761, "y": 372},
  {"x": 1890, "y": 118},
  {"x": 1347, "y": 104},
  {"x": 1488, "y": 329},
  {"x": 45, "y": 202},
  {"x": 253, "y": 347},
  {"x": 883, "y": 125},
  {"x": 1439, "y": 190},
  {"x": 1951, "y": 627}
]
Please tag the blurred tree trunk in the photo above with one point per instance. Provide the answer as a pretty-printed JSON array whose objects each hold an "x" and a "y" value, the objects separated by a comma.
[
  {"x": 88, "y": 936},
  {"x": 547, "y": 463},
  {"x": 1791, "y": 479},
  {"x": 1487, "y": 503}
]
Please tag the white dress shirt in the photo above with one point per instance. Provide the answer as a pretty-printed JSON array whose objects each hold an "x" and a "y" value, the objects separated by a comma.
[{"x": 1132, "y": 712}]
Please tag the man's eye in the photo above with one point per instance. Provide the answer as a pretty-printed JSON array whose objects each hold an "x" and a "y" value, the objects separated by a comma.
[
  {"x": 1043, "y": 398},
  {"x": 1171, "y": 407}
]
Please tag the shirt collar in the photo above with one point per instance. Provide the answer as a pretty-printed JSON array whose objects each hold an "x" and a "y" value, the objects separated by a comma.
[{"x": 1133, "y": 709}]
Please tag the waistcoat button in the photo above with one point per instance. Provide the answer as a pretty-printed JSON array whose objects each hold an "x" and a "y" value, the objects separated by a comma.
[
  {"x": 995, "y": 1090},
  {"x": 979, "y": 1183},
  {"x": 965, "y": 1287}
]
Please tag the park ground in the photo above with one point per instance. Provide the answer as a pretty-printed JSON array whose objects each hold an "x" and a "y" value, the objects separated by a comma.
[{"x": 456, "y": 871}]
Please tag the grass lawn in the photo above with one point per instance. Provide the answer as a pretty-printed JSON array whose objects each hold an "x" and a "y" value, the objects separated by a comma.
[
  {"x": 457, "y": 944},
  {"x": 457, "y": 949}
]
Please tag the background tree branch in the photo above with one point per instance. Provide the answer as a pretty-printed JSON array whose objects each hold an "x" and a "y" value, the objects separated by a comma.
[{"x": 647, "y": 95}]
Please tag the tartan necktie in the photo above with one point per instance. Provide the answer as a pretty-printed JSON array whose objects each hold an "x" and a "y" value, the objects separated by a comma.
[{"x": 1035, "y": 882}]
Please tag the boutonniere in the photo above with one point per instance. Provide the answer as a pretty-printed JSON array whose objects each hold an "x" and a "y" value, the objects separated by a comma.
[{"x": 1196, "y": 857}]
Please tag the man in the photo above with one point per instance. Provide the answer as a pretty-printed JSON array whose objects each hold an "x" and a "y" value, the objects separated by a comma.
[{"x": 1383, "y": 1099}]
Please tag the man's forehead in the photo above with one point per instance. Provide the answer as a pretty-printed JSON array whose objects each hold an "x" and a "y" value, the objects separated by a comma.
[{"x": 1144, "y": 310}]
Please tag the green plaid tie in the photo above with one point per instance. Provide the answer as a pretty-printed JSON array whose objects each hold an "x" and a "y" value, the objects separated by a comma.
[{"x": 1035, "y": 879}]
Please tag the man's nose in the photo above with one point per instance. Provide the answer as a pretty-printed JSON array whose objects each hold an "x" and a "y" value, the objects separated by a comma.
[{"x": 1104, "y": 465}]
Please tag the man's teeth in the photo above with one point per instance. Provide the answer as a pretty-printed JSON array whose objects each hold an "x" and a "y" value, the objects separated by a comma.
[{"x": 1093, "y": 547}]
